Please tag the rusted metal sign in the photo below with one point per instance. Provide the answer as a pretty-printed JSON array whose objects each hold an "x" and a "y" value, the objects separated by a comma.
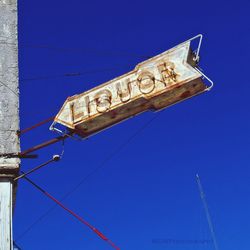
[{"x": 154, "y": 84}]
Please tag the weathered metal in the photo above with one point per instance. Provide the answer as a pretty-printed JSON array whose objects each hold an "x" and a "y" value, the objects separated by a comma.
[
  {"x": 153, "y": 85},
  {"x": 23, "y": 131},
  {"x": 43, "y": 145}
]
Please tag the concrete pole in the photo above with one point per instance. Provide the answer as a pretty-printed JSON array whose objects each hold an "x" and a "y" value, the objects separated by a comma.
[{"x": 9, "y": 117}]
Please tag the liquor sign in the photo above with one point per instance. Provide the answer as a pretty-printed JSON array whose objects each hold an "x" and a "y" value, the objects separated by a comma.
[{"x": 153, "y": 85}]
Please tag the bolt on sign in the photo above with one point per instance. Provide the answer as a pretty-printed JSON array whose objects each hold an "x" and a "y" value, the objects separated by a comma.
[{"x": 154, "y": 84}]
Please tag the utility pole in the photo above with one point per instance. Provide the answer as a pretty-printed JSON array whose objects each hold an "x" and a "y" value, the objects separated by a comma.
[
  {"x": 210, "y": 224},
  {"x": 9, "y": 118}
]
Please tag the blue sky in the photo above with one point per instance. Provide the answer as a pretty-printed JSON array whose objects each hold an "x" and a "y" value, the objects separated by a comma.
[{"x": 147, "y": 190}]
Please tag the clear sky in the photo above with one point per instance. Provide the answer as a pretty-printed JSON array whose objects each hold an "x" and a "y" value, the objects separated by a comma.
[{"x": 146, "y": 190}]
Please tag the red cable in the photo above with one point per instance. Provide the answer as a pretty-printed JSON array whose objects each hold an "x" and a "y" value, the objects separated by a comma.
[{"x": 95, "y": 230}]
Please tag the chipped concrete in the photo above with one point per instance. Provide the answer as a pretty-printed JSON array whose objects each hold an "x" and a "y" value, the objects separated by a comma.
[{"x": 9, "y": 91}]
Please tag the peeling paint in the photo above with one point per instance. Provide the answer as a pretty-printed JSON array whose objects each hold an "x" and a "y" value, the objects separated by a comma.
[{"x": 153, "y": 85}]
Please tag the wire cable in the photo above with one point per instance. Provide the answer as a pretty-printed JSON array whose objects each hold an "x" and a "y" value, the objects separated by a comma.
[
  {"x": 89, "y": 51},
  {"x": 79, "y": 218},
  {"x": 16, "y": 247},
  {"x": 100, "y": 166},
  {"x": 70, "y": 74},
  {"x": 54, "y": 159}
]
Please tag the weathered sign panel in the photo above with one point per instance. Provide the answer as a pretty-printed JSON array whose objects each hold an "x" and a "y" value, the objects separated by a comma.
[{"x": 153, "y": 85}]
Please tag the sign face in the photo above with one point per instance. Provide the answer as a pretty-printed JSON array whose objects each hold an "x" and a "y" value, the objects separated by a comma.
[{"x": 153, "y": 85}]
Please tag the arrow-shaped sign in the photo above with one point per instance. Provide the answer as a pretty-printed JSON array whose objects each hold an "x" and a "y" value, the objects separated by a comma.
[{"x": 153, "y": 85}]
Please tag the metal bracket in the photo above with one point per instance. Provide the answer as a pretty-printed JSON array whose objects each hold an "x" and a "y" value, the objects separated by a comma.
[
  {"x": 207, "y": 78},
  {"x": 53, "y": 128},
  {"x": 197, "y": 51},
  {"x": 197, "y": 58}
]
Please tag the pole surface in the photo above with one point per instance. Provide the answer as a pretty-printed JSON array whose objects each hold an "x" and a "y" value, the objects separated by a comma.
[
  {"x": 9, "y": 117},
  {"x": 6, "y": 215}
]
